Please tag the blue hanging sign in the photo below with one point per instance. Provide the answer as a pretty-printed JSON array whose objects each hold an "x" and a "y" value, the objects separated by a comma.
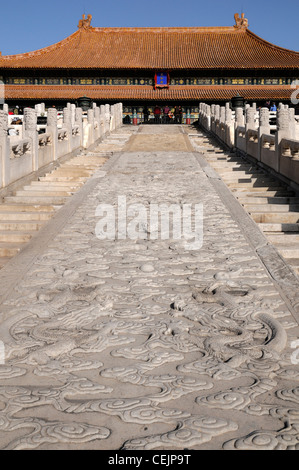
[{"x": 162, "y": 80}]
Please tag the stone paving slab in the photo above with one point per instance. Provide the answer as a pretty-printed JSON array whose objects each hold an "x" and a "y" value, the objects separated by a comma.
[
  {"x": 144, "y": 344},
  {"x": 162, "y": 139}
]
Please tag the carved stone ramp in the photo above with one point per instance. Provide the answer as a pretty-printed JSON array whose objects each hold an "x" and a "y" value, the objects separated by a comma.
[{"x": 143, "y": 342}]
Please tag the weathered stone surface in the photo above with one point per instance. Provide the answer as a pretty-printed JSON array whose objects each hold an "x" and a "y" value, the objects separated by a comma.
[
  {"x": 142, "y": 344},
  {"x": 30, "y": 119},
  {"x": 3, "y": 124}
]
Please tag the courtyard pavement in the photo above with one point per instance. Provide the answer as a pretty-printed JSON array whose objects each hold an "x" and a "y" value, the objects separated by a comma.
[{"x": 146, "y": 340}]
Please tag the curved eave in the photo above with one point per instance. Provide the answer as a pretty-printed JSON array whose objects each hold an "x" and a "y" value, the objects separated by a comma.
[
  {"x": 270, "y": 44},
  {"x": 38, "y": 52}
]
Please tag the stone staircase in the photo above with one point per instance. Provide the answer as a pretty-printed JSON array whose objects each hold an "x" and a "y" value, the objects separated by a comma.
[
  {"x": 25, "y": 211},
  {"x": 271, "y": 203}
]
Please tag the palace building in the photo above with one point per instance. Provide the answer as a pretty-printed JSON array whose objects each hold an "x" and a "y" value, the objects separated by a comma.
[{"x": 152, "y": 66}]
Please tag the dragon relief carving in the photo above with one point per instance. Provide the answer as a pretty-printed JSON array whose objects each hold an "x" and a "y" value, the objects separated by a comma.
[{"x": 87, "y": 323}]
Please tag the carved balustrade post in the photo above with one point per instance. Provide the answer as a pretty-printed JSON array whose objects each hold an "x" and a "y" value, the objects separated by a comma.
[
  {"x": 239, "y": 117},
  {"x": 38, "y": 108},
  {"x": 283, "y": 132},
  {"x": 90, "y": 119},
  {"x": 30, "y": 131},
  {"x": 229, "y": 124},
  {"x": 53, "y": 130},
  {"x": 264, "y": 128},
  {"x": 208, "y": 117},
  {"x": 67, "y": 119},
  {"x": 79, "y": 123},
  {"x": 264, "y": 121},
  {"x": 4, "y": 149},
  {"x": 102, "y": 120},
  {"x": 292, "y": 123},
  {"x": 228, "y": 114},
  {"x": 239, "y": 122},
  {"x": 67, "y": 124},
  {"x": 97, "y": 122},
  {"x": 116, "y": 115},
  {"x": 213, "y": 117},
  {"x": 222, "y": 114},
  {"x": 117, "y": 121},
  {"x": 73, "y": 114},
  {"x": 250, "y": 115},
  {"x": 112, "y": 122},
  {"x": 120, "y": 114},
  {"x": 200, "y": 115},
  {"x": 107, "y": 118},
  {"x": 283, "y": 124}
]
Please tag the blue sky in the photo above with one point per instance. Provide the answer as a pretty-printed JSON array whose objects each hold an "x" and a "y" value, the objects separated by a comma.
[{"x": 28, "y": 25}]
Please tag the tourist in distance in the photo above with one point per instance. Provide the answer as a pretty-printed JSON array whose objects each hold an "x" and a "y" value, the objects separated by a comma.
[
  {"x": 170, "y": 116},
  {"x": 178, "y": 114},
  {"x": 157, "y": 114},
  {"x": 145, "y": 114},
  {"x": 166, "y": 112}
]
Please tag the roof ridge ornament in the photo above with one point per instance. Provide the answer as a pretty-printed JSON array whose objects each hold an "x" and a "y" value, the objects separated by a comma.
[
  {"x": 241, "y": 23},
  {"x": 84, "y": 23}
]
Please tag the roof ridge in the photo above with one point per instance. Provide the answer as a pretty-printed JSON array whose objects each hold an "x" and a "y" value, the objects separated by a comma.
[{"x": 163, "y": 29}]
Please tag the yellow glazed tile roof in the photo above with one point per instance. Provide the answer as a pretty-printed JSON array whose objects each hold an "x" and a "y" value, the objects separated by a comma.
[{"x": 194, "y": 48}]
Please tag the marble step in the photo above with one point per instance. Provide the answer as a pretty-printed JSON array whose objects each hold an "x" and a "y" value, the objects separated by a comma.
[
  {"x": 279, "y": 227},
  {"x": 77, "y": 166},
  {"x": 49, "y": 188},
  {"x": 9, "y": 249},
  {"x": 33, "y": 205},
  {"x": 26, "y": 215},
  {"x": 256, "y": 186},
  {"x": 271, "y": 217},
  {"x": 20, "y": 225},
  {"x": 66, "y": 179},
  {"x": 239, "y": 174},
  {"x": 251, "y": 208},
  {"x": 289, "y": 251},
  {"x": 283, "y": 238},
  {"x": 35, "y": 199},
  {"x": 15, "y": 236},
  {"x": 72, "y": 172},
  {"x": 265, "y": 200},
  {"x": 37, "y": 193},
  {"x": 67, "y": 184},
  {"x": 257, "y": 192},
  {"x": 27, "y": 208}
]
